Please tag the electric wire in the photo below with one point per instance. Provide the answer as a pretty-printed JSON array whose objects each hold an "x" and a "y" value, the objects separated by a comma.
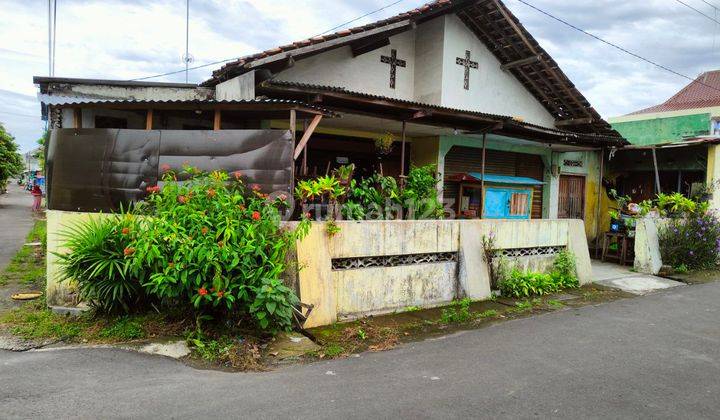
[
  {"x": 618, "y": 47},
  {"x": 236, "y": 58}
]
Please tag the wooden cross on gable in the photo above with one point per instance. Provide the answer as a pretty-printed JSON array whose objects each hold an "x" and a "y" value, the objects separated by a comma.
[
  {"x": 394, "y": 63},
  {"x": 468, "y": 64}
]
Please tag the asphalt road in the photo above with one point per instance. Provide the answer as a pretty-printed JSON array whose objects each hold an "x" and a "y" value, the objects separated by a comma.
[
  {"x": 656, "y": 356},
  {"x": 16, "y": 220}
]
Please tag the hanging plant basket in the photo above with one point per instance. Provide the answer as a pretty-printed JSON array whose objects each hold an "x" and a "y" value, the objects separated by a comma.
[{"x": 384, "y": 143}]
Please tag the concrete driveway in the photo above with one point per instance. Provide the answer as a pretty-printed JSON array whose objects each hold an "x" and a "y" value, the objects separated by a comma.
[
  {"x": 655, "y": 356},
  {"x": 16, "y": 220}
]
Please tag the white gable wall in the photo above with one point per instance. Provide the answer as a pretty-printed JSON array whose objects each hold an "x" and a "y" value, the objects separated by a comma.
[
  {"x": 491, "y": 89},
  {"x": 431, "y": 74},
  {"x": 364, "y": 73}
]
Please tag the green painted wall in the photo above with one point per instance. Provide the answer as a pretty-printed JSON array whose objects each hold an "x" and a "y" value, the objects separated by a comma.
[{"x": 664, "y": 130}]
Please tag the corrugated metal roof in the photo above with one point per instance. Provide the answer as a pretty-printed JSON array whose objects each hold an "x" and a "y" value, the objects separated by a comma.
[
  {"x": 504, "y": 118},
  {"x": 57, "y": 100},
  {"x": 505, "y": 179},
  {"x": 703, "y": 92}
]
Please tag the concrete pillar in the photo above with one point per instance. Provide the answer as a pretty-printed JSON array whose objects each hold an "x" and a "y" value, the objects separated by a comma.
[{"x": 713, "y": 174}]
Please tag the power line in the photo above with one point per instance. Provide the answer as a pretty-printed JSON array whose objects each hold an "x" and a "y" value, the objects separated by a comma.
[
  {"x": 617, "y": 46},
  {"x": 710, "y": 4},
  {"x": 237, "y": 58},
  {"x": 698, "y": 11}
]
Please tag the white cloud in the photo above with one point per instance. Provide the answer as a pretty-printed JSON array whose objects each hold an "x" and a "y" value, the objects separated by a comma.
[{"x": 117, "y": 39}]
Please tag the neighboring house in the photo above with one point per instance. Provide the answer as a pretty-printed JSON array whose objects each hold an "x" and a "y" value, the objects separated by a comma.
[
  {"x": 32, "y": 163},
  {"x": 682, "y": 133},
  {"x": 458, "y": 84}
]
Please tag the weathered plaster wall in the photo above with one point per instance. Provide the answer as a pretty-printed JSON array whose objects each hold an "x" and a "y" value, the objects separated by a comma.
[
  {"x": 57, "y": 293},
  {"x": 713, "y": 174},
  {"x": 491, "y": 89},
  {"x": 139, "y": 93},
  {"x": 342, "y": 294}
]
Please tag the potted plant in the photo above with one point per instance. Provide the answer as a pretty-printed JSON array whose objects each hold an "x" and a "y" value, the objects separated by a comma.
[
  {"x": 344, "y": 174},
  {"x": 384, "y": 143}
]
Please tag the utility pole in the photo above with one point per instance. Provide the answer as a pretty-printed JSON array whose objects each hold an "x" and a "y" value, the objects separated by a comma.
[{"x": 187, "y": 57}]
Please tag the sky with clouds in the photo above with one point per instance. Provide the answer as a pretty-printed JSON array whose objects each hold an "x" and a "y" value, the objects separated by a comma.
[{"x": 128, "y": 39}]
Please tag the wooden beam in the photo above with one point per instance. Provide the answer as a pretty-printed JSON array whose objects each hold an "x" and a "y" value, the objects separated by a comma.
[
  {"x": 521, "y": 62},
  {"x": 217, "y": 122},
  {"x": 574, "y": 121},
  {"x": 532, "y": 49},
  {"x": 149, "y": 119},
  {"x": 366, "y": 46},
  {"x": 77, "y": 117},
  {"x": 421, "y": 114},
  {"x": 306, "y": 136}
]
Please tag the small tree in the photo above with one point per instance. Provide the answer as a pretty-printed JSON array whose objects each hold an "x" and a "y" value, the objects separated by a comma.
[{"x": 11, "y": 163}]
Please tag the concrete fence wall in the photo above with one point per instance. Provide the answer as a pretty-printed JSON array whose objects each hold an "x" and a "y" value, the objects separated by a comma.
[
  {"x": 383, "y": 266},
  {"x": 375, "y": 267}
]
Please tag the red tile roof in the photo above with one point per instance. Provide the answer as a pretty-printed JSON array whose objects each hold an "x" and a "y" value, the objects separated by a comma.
[{"x": 702, "y": 92}]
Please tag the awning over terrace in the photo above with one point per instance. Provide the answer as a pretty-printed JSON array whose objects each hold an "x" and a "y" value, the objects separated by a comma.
[
  {"x": 495, "y": 179},
  {"x": 344, "y": 101}
]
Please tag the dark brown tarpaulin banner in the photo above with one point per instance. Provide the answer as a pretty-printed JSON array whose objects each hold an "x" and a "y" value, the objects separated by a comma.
[{"x": 100, "y": 169}]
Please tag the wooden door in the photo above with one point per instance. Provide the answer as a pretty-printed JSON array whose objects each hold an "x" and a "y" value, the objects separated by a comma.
[{"x": 571, "y": 204}]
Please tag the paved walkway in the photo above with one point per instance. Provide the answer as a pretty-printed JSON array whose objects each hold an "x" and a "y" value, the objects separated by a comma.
[
  {"x": 620, "y": 277},
  {"x": 16, "y": 220},
  {"x": 655, "y": 356}
]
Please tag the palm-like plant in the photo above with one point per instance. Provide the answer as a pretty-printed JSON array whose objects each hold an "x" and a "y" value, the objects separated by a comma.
[{"x": 98, "y": 263}]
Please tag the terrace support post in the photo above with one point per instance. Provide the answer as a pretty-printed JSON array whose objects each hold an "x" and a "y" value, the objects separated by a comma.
[
  {"x": 293, "y": 127},
  {"x": 149, "y": 119},
  {"x": 402, "y": 155},
  {"x": 599, "y": 202},
  {"x": 657, "y": 174},
  {"x": 482, "y": 179},
  {"x": 305, "y": 151},
  {"x": 217, "y": 121},
  {"x": 306, "y": 136}
]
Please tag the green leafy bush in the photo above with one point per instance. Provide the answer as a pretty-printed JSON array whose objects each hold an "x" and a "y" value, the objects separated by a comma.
[
  {"x": 98, "y": 262},
  {"x": 380, "y": 198},
  {"x": 692, "y": 242},
  {"x": 563, "y": 276}
]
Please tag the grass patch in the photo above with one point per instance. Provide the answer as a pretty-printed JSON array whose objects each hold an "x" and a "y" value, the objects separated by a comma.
[
  {"x": 555, "y": 304},
  {"x": 123, "y": 329},
  {"x": 27, "y": 266}
]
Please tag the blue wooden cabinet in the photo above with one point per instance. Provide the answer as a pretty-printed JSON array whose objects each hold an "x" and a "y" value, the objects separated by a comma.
[{"x": 507, "y": 203}]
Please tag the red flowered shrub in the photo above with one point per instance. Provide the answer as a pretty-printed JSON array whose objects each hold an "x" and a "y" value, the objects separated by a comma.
[
  {"x": 208, "y": 243},
  {"x": 229, "y": 269}
]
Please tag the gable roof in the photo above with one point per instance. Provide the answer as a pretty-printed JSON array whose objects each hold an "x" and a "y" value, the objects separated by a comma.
[
  {"x": 702, "y": 92},
  {"x": 491, "y": 21}
]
